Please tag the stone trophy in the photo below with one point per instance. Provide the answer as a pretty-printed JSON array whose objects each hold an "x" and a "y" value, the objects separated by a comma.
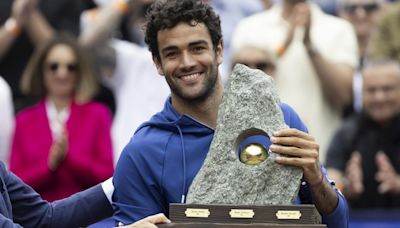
[{"x": 239, "y": 186}]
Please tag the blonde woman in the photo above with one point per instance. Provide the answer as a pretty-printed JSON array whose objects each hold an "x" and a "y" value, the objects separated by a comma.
[{"x": 61, "y": 145}]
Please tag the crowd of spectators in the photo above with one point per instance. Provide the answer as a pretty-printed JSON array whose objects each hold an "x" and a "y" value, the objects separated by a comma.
[{"x": 77, "y": 80}]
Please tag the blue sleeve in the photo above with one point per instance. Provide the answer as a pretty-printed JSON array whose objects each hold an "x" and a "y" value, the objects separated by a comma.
[
  {"x": 340, "y": 216},
  {"x": 30, "y": 210},
  {"x": 137, "y": 181},
  {"x": 292, "y": 119}
]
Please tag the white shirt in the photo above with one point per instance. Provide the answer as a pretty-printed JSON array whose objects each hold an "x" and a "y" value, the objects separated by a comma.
[
  {"x": 56, "y": 119},
  {"x": 297, "y": 82},
  {"x": 6, "y": 120},
  {"x": 139, "y": 91}
]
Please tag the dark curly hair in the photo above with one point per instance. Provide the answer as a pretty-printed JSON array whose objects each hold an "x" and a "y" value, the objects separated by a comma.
[{"x": 165, "y": 14}]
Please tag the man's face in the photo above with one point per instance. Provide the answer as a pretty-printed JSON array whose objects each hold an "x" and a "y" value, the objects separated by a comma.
[
  {"x": 188, "y": 61},
  {"x": 381, "y": 92},
  {"x": 361, "y": 13},
  {"x": 255, "y": 58}
]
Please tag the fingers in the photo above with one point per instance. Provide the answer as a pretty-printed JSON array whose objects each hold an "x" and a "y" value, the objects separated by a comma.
[
  {"x": 151, "y": 220},
  {"x": 383, "y": 162},
  {"x": 157, "y": 219},
  {"x": 295, "y": 143},
  {"x": 302, "y": 14},
  {"x": 354, "y": 174},
  {"x": 384, "y": 187},
  {"x": 292, "y": 132},
  {"x": 302, "y": 150}
]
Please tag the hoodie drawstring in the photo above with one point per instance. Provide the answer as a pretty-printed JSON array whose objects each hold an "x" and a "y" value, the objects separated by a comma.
[{"x": 183, "y": 197}]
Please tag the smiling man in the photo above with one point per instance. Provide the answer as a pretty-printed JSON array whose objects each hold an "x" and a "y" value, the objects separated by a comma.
[
  {"x": 364, "y": 154},
  {"x": 158, "y": 165}
]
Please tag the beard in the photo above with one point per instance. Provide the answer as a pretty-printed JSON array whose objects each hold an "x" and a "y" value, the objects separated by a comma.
[{"x": 208, "y": 87}]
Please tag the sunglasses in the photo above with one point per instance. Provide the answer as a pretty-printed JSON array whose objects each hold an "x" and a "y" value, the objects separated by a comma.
[
  {"x": 71, "y": 67},
  {"x": 368, "y": 8},
  {"x": 264, "y": 66}
]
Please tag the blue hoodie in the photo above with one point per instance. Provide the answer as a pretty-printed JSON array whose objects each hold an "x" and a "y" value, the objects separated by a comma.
[{"x": 161, "y": 160}]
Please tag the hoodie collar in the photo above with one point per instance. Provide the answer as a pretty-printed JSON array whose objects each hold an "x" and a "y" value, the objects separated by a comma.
[{"x": 169, "y": 119}]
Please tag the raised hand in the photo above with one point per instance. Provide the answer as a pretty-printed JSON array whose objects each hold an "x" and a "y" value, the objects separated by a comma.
[
  {"x": 58, "y": 151},
  {"x": 389, "y": 180},
  {"x": 354, "y": 176}
]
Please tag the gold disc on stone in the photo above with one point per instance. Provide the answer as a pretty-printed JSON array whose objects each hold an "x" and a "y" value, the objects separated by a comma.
[{"x": 253, "y": 154}]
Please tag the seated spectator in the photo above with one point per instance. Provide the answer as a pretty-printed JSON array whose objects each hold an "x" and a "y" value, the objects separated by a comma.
[
  {"x": 61, "y": 145},
  {"x": 364, "y": 155},
  {"x": 256, "y": 58}
]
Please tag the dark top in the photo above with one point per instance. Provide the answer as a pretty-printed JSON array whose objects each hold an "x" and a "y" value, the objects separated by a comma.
[
  {"x": 361, "y": 133},
  {"x": 21, "y": 206}
]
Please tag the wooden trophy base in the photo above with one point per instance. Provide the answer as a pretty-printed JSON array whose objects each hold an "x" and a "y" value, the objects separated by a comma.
[{"x": 280, "y": 216}]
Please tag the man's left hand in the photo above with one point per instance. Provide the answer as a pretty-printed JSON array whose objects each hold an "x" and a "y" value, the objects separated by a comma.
[{"x": 301, "y": 151}]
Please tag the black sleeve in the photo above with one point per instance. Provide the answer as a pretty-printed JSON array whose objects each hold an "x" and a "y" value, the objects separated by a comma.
[{"x": 342, "y": 145}]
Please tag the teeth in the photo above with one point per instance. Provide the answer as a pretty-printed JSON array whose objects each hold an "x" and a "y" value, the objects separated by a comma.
[{"x": 190, "y": 76}]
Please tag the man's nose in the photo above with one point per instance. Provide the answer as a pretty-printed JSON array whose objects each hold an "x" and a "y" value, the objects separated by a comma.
[
  {"x": 187, "y": 61},
  {"x": 380, "y": 95}
]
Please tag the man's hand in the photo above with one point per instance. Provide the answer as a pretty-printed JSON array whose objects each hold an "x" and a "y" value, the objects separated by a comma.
[
  {"x": 387, "y": 177},
  {"x": 302, "y": 150},
  {"x": 354, "y": 176},
  {"x": 150, "y": 221},
  {"x": 58, "y": 151}
]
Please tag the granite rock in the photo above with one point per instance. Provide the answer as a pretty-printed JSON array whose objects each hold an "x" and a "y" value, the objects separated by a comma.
[{"x": 250, "y": 105}]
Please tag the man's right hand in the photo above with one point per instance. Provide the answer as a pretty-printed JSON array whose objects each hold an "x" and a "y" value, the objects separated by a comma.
[{"x": 150, "y": 221}]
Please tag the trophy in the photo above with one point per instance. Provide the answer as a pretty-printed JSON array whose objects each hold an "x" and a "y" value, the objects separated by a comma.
[{"x": 239, "y": 183}]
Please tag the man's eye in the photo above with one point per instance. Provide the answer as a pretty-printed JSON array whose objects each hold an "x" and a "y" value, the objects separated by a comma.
[
  {"x": 198, "y": 49},
  {"x": 170, "y": 54}
]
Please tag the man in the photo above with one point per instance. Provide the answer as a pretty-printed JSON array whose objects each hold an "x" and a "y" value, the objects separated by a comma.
[
  {"x": 158, "y": 165},
  {"x": 364, "y": 154},
  {"x": 317, "y": 55},
  {"x": 21, "y": 206},
  {"x": 362, "y": 14}
]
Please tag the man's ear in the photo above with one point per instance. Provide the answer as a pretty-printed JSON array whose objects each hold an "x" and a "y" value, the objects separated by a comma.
[
  {"x": 220, "y": 52},
  {"x": 158, "y": 65}
]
